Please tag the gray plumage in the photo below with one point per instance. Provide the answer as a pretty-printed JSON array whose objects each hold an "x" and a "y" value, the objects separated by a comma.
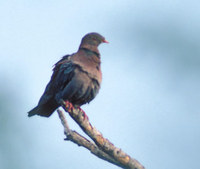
[{"x": 76, "y": 78}]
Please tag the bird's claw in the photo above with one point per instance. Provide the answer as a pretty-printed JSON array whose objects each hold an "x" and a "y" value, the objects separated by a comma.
[
  {"x": 84, "y": 114},
  {"x": 69, "y": 105}
]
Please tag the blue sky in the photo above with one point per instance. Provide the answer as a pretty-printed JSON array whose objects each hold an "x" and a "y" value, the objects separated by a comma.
[{"x": 148, "y": 104}]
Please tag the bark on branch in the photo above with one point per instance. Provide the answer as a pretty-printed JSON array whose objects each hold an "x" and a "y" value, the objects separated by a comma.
[{"x": 101, "y": 147}]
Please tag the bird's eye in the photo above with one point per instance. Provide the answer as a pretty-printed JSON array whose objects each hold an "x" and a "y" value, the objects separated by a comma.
[{"x": 94, "y": 38}]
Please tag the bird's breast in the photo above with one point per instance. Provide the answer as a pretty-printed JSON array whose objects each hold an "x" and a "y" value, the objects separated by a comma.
[{"x": 90, "y": 64}]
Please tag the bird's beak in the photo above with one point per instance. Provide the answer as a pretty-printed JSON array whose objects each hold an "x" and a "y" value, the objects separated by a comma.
[{"x": 105, "y": 41}]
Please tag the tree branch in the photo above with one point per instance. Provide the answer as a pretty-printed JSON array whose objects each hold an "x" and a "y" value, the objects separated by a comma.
[
  {"x": 82, "y": 141},
  {"x": 101, "y": 147}
]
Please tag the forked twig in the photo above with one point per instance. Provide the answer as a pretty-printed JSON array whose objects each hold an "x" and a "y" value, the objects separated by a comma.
[{"x": 101, "y": 146}]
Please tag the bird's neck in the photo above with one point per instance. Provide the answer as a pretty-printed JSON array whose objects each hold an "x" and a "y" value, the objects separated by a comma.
[{"x": 90, "y": 48}]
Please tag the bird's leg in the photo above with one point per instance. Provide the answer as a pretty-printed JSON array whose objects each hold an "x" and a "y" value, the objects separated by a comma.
[
  {"x": 84, "y": 114},
  {"x": 70, "y": 108},
  {"x": 69, "y": 105}
]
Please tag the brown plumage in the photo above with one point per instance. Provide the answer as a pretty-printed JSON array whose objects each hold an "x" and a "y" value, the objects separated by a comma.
[{"x": 76, "y": 78}]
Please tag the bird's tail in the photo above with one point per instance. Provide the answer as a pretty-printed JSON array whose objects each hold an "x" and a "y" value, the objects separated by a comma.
[
  {"x": 33, "y": 112},
  {"x": 42, "y": 110}
]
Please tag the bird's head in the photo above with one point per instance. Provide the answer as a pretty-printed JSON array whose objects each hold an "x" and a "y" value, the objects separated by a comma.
[{"x": 94, "y": 39}]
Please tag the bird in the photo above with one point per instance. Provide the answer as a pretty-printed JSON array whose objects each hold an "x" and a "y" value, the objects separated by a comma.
[{"x": 76, "y": 78}]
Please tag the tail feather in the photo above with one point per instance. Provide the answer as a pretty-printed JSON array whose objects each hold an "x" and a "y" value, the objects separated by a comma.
[
  {"x": 33, "y": 112},
  {"x": 42, "y": 110}
]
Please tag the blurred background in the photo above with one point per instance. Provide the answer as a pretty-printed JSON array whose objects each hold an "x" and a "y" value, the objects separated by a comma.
[{"x": 149, "y": 101}]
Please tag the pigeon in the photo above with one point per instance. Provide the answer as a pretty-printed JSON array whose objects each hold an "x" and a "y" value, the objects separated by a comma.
[{"x": 76, "y": 78}]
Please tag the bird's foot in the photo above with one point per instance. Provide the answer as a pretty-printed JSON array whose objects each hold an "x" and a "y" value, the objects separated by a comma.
[
  {"x": 69, "y": 106},
  {"x": 84, "y": 114}
]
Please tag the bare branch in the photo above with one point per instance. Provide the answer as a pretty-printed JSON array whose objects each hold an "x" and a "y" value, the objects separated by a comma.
[
  {"x": 82, "y": 141},
  {"x": 123, "y": 160}
]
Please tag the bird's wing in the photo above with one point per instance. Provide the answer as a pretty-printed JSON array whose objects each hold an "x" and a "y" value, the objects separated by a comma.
[{"x": 62, "y": 74}]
